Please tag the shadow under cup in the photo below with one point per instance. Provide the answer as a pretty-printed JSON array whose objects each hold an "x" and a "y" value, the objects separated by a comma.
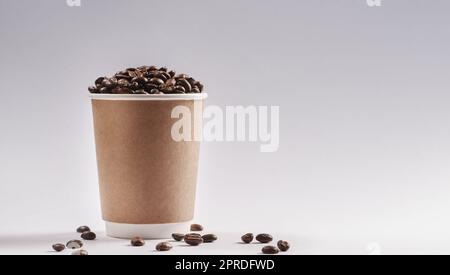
[{"x": 147, "y": 179}]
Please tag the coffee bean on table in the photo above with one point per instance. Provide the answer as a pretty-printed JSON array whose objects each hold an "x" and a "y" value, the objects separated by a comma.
[
  {"x": 193, "y": 239},
  {"x": 59, "y": 247},
  {"x": 270, "y": 250},
  {"x": 209, "y": 238},
  {"x": 83, "y": 229},
  {"x": 74, "y": 244},
  {"x": 80, "y": 252},
  {"x": 137, "y": 241},
  {"x": 264, "y": 238},
  {"x": 164, "y": 246},
  {"x": 283, "y": 245},
  {"x": 247, "y": 238},
  {"x": 89, "y": 236},
  {"x": 196, "y": 227},
  {"x": 170, "y": 82},
  {"x": 178, "y": 237}
]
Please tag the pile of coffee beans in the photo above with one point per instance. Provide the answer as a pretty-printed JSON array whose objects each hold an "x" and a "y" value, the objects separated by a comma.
[{"x": 147, "y": 80}]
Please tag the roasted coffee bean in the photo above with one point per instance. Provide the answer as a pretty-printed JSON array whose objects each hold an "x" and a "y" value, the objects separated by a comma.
[
  {"x": 58, "y": 247},
  {"x": 80, "y": 252},
  {"x": 137, "y": 241},
  {"x": 163, "y": 76},
  {"x": 105, "y": 90},
  {"x": 264, "y": 238},
  {"x": 283, "y": 245},
  {"x": 121, "y": 90},
  {"x": 135, "y": 86},
  {"x": 156, "y": 81},
  {"x": 89, "y": 236},
  {"x": 122, "y": 76},
  {"x": 193, "y": 239},
  {"x": 270, "y": 250},
  {"x": 141, "y": 80},
  {"x": 155, "y": 92},
  {"x": 178, "y": 237},
  {"x": 74, "y": 244},
  {"x": 191, "y": 81},
  {"x": 164, "y": 246},
  {"x": 179, "y": 90},
  {"x": 180, "y": 76},
  {"x": 199, "y": 86},
  {"x": 247, "y": 238},
  {"x": 163, "y": 69},
  {"x": 93, "y": 89},
  {"x": 172, "y": 74},
  {"x": 106, "y": 83},
  {"x": 99, "y": 80},
  {"x": 153, "y": 68},
  {"x": 185, "y": 84},
  {"x": 123, "y": 82},
  {"x": 131, "y": 69},
  {"x": 195, "y": 90},
  {"x": 209, "y": 238},
  {"x": 196, "y": 227}
]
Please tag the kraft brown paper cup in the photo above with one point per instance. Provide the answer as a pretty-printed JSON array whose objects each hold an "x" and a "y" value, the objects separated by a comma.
[{"x": 147, "y": 180}]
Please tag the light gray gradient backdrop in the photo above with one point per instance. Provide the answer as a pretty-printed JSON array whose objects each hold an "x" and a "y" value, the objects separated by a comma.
[{"x": 364, "y": 103}]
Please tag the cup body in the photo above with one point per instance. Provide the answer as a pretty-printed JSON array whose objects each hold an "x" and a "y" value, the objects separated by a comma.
[{"x": 147, "y": 179}]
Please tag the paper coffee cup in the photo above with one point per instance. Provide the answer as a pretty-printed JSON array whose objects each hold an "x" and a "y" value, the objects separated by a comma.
[{"x": 147, "y": 179}]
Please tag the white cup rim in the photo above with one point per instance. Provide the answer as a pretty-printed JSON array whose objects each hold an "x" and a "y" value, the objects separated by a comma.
[{"x": 201, "y": 96}]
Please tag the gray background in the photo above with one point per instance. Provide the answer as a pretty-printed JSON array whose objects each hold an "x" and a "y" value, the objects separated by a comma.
[{"x": 364, "y": 158}]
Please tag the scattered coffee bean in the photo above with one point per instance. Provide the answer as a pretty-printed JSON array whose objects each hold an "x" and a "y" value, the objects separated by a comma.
[
  {"x": 165, "y": 246},
  {"x": 83, "y": 229},
  {"x": 58, "y": 247},
  {"x": 196, "y": 227},
  {"x": 80, "y": 252},
  {"x": 137, "y": 241},
  {"x": 270, "y": 250},
  {"x": 209, "y": 238},
  {"x": 89, "y": 236},
  {"x": 146, "y": 78},
  {"x": 74, "y": 244},
  {"x": 178, "y": 237},
  {"x": 247, "y": 238},
  {"x": 283, "y": 246},
  {"x": 264, "y": 238},
  {"x": 193, "y": 239}
]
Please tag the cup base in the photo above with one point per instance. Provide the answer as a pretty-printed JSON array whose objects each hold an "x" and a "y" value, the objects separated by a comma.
[{"x": 145, "y": 231}]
